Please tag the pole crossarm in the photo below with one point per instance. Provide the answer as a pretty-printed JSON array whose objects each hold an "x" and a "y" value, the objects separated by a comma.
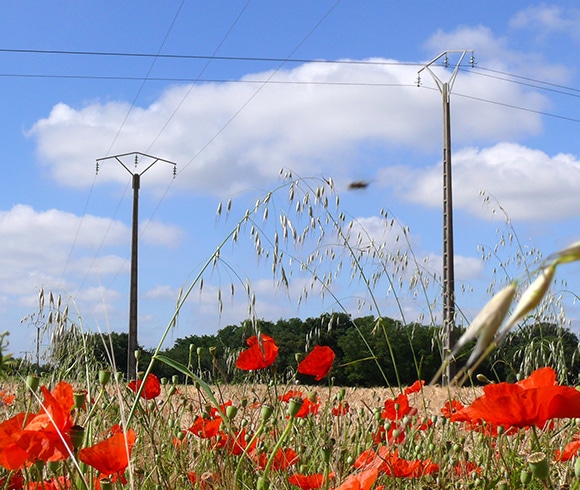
[
  {"x": 445, "y": 56},
  {"x": 137, "y": 154},
  {"x": 133, "y": 301}
]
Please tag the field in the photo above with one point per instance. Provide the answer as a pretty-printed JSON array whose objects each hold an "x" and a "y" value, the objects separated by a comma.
[{"x": 87, "y": 428}]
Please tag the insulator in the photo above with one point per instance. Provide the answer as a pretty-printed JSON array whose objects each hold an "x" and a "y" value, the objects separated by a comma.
[
  {"x": 136, "y": 160},
  {"x": 472, "y": 60},
  {"x": 97, "y": 168},
  {"x": 418, "y": 81},
  {"x": 174, "y": 171},
  {"x": 446, "y": 62}
]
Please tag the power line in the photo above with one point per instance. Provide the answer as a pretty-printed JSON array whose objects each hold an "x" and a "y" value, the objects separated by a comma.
[
  {"x": 202, "y": 57},
  {"x": 214, "y": 57}
]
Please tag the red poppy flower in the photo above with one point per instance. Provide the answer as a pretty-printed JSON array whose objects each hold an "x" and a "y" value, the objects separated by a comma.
[
  {"x": 307, "y": 482},
  {"x": 15, "y": 481},
  {"x": 284, "y": 459},
  {"x": 415, "y": 387},
  {"x": 6, "y": 399},
  {"x": 451, "y": 407},
  {"x": 391, "y": 464},
  {"x": 341, "y": 409},
  {"x": 152, "y": 387},
  {"x": 111, "y": 456},
  {"x": 205, "y": 428},
  {"x": 309, "y": 407},
  {"x": 46, "y": 435},
  {"x": 261, "y": 354},
  {"x": 286, "y": 397},
  {"x": 467, "y": 468},
  {"x": 396, "y": 409},
  {"x": 530, "y": 402},
  {"x": 207, "y": 479},
  {"x": 12, "y": 456},
  {"x": 360, "y": 481},
  {"x": 318, "y": 363},
  {"x": 58, "y": 483},
  {"x": 235, "y": 444},
  {"x": 569, "y": 452}
]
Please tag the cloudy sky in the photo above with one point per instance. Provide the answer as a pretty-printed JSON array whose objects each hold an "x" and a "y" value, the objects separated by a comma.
[{"x": 233, "y": 92}]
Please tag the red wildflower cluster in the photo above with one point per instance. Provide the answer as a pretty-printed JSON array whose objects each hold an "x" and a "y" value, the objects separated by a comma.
[
  {"x": 395, "y": 409},
  {"x": 387, "y": 461},
  {"x": 530, "y": 402}
]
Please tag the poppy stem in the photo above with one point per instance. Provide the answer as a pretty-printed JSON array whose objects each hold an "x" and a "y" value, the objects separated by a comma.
[{"x": 278, "y": 445}]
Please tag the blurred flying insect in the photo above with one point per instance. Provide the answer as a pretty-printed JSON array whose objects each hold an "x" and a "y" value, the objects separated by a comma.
[{"x": 358, "y": 184}]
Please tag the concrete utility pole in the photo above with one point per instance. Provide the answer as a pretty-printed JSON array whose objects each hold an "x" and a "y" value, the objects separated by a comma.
[
  {"x": 131, "y": 361},
  {"x": 448, "y": 255}
]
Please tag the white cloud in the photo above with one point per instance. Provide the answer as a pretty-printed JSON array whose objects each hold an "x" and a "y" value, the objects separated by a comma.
[
  {"x": 493, "y": 52},
  {"x": 163, "y": 292},
  {"x": 545, "y": 19},
  {"x": 157, "y": 233},
  {"x": 234, "y": 136},
  {"x": 527, "y": 183},
  {"x": 34, "y": 245}
]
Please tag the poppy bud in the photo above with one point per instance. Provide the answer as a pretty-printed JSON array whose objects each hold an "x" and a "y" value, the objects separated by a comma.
[
  {"x": 525, "y": 477},
  {"x": 213, "y": 350},
  {"x": 163, "y": 381},
  {"x": 294, "y": 406},
  {"x": 137, "y": 355},
  {"x": 106, "y": 484},
  {"x": 231, "y": 411},
  {"x": 104, "y": 377},
  {"x": 502, "y": 485},
  {"x": 327, "y": 452},
  {"x": 77, "y": 435},
  {"x": 539, "y": 465},
  {"x": 262, "y": 484},
  {"x": 80, "y": 398},
  {"x": 53, "y": 466},
  {"x": 267, "y": 411},
  {"x": 175, "y": 379},
  {"x": 577, "y": 468},
  {"x": 482, "y": 378},
  {"x": 32, "y": 382}
]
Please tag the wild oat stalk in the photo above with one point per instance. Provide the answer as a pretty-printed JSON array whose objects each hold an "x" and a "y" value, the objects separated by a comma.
[{"x": 486, "y": 325}]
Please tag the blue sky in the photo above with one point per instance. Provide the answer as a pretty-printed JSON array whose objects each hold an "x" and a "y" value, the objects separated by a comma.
[{"x": 220, "y": 103}]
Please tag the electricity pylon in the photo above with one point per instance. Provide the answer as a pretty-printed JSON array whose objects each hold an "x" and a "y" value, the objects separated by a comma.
[
  {"x": 133, "y": 301},
  {"x": 448, "y": 254}
]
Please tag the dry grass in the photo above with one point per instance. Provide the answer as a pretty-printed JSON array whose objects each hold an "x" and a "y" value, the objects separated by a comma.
[{"x": 428, "y": 402}]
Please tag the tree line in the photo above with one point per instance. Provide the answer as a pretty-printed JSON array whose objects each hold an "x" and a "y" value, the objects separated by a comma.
[{"x": 369, "y": 352}]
